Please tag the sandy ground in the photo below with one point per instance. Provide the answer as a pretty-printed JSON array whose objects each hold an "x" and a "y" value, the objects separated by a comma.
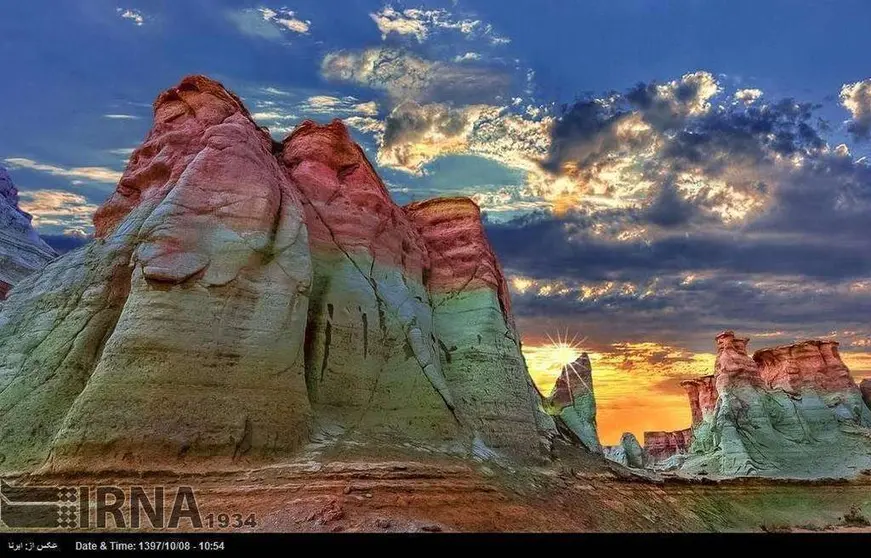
[{"x": 580, "y": 493}]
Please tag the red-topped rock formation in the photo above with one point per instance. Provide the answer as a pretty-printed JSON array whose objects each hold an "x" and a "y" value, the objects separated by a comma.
[
  {"x": 244, "y": 298},
  {"x": 460, "y": 252},
  {"x": 809, "y": 364},
  {"x": 734, "y": 367},
  {"x": 660, "y": 446},
  {"x": 789, "y": 411},
  {"x": 702, "y": 393}
]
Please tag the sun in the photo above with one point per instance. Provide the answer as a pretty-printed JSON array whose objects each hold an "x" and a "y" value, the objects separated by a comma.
[
  {"x": 564, "y": 351},
  {"x": 546, "y": 361}
]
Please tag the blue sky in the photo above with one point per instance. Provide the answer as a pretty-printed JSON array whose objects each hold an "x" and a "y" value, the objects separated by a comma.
[{"x": 653, "y": 171}]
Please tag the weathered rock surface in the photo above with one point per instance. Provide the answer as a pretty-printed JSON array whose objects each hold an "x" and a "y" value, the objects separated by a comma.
[
  {"x": 477, "y": 342},
  {"x": 21, "y": 250},
  {"x": 703, "y": 397},
  {"x": 865, "y": 388},
  {"x": 788, "y": 412},
  {"x": 628, "y": 452},
  {"x": 661, "y": 446},
  {"x": 572, "y": 400},
  {"x": 244, "y": 298}
]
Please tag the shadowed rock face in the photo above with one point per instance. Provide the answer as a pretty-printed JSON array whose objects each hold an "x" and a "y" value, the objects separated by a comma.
[
  {"x": 790, "y": 411},
  {"x": 628, "y": 452},
  {"x": 243, "y": 298},
  {"x": 22, "y": 252},
  {"x": 865, "y": 387},
  {"x": 573, "y": 402}
]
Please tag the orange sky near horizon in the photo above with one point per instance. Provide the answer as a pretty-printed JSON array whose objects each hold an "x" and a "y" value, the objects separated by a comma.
[{"x": 637, "y": 384}]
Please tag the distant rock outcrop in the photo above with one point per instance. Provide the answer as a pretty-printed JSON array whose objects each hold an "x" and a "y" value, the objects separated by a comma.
[
  {"x": 662, "y": 446},
  {"x": 865, "y": 387},
  {"x": 791, "y": 411},
  {"x": 21, "y": 250},
  {"x": 244, "y": 297},
  {"x": 628, "y": 452},
  {"x": 572, "y": 400}
]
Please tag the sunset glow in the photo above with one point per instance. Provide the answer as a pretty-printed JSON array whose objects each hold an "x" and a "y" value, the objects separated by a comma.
[{"x": 637, "y": 385}]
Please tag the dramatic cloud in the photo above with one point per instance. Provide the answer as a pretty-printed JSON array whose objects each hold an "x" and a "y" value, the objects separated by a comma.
[
  {"x": 133, "y": 15},
  {"x": 417, "y": 134},
  {"x": 856, "y": 97},
  {"x": 405, "y": 76},
  {"x": 94, "y": 174},
  {"x": 420, "y": 24},
  {"x": 59, "y": 210}
]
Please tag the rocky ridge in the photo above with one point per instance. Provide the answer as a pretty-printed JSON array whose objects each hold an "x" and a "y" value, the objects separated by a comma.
[
  {"x": 791, "y": 411},
  {"x": 573, "y": 402},
  {"x": 22, "y": 251},
  {"x": 245, "y": 299}
]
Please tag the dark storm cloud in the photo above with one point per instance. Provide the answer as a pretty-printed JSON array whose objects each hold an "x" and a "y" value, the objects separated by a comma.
[{"x": 799, "y": 264}]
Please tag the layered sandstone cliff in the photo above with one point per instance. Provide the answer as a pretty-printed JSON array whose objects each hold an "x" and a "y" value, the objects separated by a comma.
[
  {"x": 22, "y": 252},
  {"x": 790, "y": 411},
  {"x": 244, "y": 298},
  {"x": 660, "y": 446},
  {"x": 572, "y": 400}
]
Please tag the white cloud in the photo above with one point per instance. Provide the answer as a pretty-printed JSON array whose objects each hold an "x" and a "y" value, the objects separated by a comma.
[
  {"x": 327, "y": 104},
  {"x": 747, "y": 96},
  {"x": 121, "y": 117},
  {"x": 94, "y": 174},
  {"x": 274, "y": 91},
  {"x": 365, "y": 124},
  {"x": 856, "y": 98},
  {"x": 466, "y": 57},
  {"x": 269, "y": 24},
  {"x": 287, "y": 19},
  {"x": 55, "y": 208},
  {"x": 405, "y": 76},
  {"x": 133, "y": 15},
  {"x": 421, "y": 24},
  {"x": 123, "y": 151}
]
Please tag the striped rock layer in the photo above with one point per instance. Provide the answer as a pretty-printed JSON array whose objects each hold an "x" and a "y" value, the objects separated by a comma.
[
  {"x": 245, "y": 298},
  {"x": 791, "y": 411}
]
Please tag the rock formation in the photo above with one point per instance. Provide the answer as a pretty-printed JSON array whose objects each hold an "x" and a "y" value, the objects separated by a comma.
[
  {"x": 662, "y": 446},
  {"x": 572, "y": 400},
  {"x": 789, "y": 411},
  {"x": 865, "y": 388},
  {"x": 21, "y": 250},
  {"x": 703, "y": 397},
  {"x": 244, "y": 297},
  {"x": 628, "y": 452}
]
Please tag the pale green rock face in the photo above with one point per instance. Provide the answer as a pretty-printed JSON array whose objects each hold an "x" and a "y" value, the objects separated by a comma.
[
  {"x": 486, "y": 373},
  {"x": 177, "y": 338},
  {"x": 770, "y": 433},
  {"x": 371, "y": 361},
  {"x": 628, "y": 452},
  {"x": 51, "y": 330},
  {"x": 573, "y": 402}
]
